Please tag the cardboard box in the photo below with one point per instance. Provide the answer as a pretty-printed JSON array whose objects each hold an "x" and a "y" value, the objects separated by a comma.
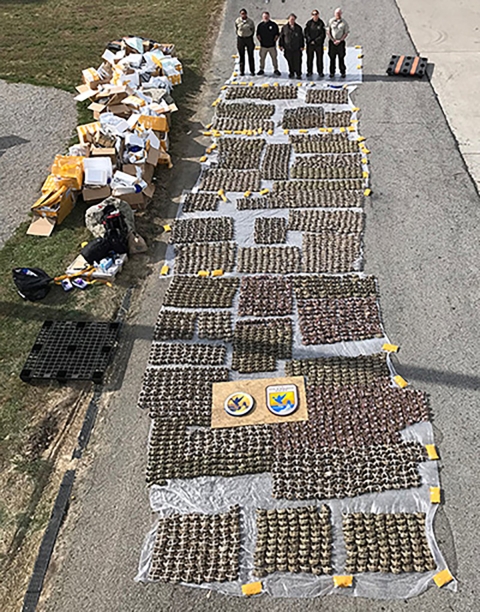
[
  {"x": 94, "y": 194},
  {"x": 51, "y": 209},
  {"x": 137, "y": 201},
  {"x": 86, "y": 133},
  {"x": 104, "y": 152},
  {"x": 158, "y": 124}
]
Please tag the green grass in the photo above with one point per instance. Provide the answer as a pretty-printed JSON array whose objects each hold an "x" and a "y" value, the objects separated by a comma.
[{"x": 49, "y": 43}]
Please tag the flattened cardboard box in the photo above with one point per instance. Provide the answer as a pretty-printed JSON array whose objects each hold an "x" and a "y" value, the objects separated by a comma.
[{"x": 257, "y": 388}]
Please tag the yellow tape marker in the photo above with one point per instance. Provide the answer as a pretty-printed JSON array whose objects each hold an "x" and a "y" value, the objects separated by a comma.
[
  {"x": 359, "y": 67},
  {"x": 361, "y": 138},
  {"x": 250, "y": 84},
  {"x": 365, "y": 174},
  {"x": 321, "y": 129},
  {"x": 164, "y": 270},
  {"x": 215, "y": 102},
  {"x": 351, "y": 128},
  {"x": 401, "y": 382},
  {"x": 203, "y": 273},
  {"x": 286, "y": 131},
  {"x": 275, "y": 84},
  {"x": 330, "y": 130},
  {"x": 243, "y": 83},
  {"x": 228, "y": 131},
  {"x": 390, "y": 348},
  {"x": 443, "y": 577},
  {"x": 342, "y": 129},
  {"x": 203, "y": 158},
  {"x": 364, "y": 160},
  {"x": 360, "y": 56},
  {"x": 167, "y": 228},
  {"x": 367, "y": 192},
  {"x": 269, "y": 132},
  {"x": 432, "y": 452},
  {"x": 84, "y": 244},
  {"x": 235, "y": 74},
  {"x": 207, "y": 133},
  {"x": 366, "y": 151},
  {"x": 235, "y": 56},
  {"x": 208, "y": 151},
  {"x": 342, "y": 581},
  {"x": 209, "y": 126},
  {"x": 355, "y": 109},
  {"x": 247, "y": 194},
  {"x": 435, "y": 495},
  {"x": 265, "y": 85},
  {"x": 302, "y": 131},
  {"x": 217, "y": 272},
  {"x": 252, "y": 588},
  {"x": 264, "y": 191},
  {"x": 353, "y": 120},
  {"x": 213, "y": 146},
  {"x": 358, "y": 46}
]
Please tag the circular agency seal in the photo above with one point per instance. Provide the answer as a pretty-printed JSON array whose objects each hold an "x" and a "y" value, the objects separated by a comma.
[{"x": 239, "y": 404}]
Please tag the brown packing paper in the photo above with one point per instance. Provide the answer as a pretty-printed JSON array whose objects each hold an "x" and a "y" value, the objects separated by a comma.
[{"x": 260, "y": 414}]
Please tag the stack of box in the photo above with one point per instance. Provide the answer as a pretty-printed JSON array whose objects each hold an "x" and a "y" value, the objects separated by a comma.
[{"x": 118, "y": 152}]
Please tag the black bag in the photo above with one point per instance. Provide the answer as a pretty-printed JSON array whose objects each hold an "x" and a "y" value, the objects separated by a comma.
[
  {"x": 116, "y": 229},
  {"x": 32, "y": 284},
  {"x": 96, "y": 250}
]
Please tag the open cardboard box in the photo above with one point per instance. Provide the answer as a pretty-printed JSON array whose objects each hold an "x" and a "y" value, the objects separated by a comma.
[{"x": 51, "y": 209}]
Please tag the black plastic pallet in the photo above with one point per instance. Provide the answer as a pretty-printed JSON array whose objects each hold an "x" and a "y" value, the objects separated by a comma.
[
  {"x": 71, "y": 350},
  {"x": 407, "y": 65}
]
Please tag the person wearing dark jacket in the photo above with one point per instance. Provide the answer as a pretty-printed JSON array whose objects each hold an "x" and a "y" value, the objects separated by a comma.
[
  {"x": 292, "y": 43},
  {"x": 267, "y": 34},
  {"x": 314, "y": 38},
  {"x": 245, "y": 29}
]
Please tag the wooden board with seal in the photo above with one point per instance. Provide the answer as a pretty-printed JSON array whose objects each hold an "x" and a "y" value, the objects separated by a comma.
[{"x": 259, "y": 401}]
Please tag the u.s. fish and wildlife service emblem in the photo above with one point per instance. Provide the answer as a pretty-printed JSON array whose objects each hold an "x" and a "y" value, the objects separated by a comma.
[
  {"x": 282, "y": 400},
  {"x": 239, "y": 404}
]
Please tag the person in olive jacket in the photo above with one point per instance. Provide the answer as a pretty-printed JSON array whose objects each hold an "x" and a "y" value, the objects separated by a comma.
[
  {"x": 314, "y": 38},
  {"x": 292, "y": 43},
  {"x": 245, "y": 29}
]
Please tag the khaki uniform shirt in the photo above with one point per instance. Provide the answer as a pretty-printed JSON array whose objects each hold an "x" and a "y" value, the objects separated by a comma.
[
  {"x": 338, "y": 28},
  {"x": 244, "y": 28}
]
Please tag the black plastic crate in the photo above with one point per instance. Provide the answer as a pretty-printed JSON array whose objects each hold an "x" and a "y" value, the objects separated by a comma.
[
  {"x": 407, "y": 65},
  {"x": 71, "y": 350}
]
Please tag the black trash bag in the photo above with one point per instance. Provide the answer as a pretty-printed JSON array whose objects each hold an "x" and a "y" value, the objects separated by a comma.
[
  {"x": 32, "y": 284},
  {"x": 96, "y": 250}
]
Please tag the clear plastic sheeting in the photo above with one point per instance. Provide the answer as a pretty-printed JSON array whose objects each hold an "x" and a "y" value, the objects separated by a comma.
[{"x": 213, "y": 495}]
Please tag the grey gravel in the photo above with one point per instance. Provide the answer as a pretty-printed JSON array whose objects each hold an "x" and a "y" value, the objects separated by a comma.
[{"x": 36, "y": 123}]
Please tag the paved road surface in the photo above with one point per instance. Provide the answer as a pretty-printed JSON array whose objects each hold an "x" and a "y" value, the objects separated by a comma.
[
  {"x": 422, "y": 243},
  {"x": 448, "y": 33}
]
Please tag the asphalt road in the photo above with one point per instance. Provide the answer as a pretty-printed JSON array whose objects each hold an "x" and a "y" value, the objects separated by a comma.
[{"x": 421, "y": 242}]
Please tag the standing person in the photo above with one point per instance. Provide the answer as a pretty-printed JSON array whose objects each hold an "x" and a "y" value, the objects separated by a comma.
[
  {"x": 338, "y": 30},
  {"x": 267, "y": 34},
  {"x": 245, "y": 29},
  {"x": 314, "y": 38},
  {"x": 292, "y": 43}
]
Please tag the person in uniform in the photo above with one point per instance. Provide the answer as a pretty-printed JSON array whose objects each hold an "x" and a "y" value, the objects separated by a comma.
[
  {"x": 314, "y": 38},
  {"x": 292, "y": 43},
  {"x": 245, "y": 29},
  {"x": 267, "y": 34},
  {"x": 337, "y": 31}
]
